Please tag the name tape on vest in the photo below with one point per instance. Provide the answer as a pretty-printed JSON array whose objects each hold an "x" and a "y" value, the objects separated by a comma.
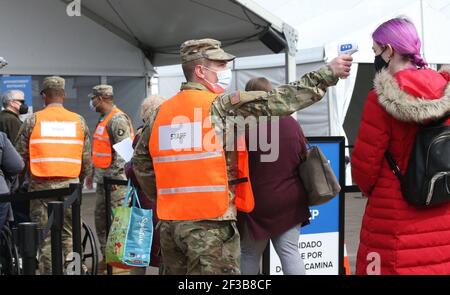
[
  {"x": 100, "y": 130},
  {"x": 180, "y": 136},
  {"x": 58, "y": 129}
]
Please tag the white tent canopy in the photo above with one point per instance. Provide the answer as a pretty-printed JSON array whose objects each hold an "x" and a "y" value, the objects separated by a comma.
[
  {"x": 41, "y": 39},
  {"x": 324, "y": 22},
  {"x": 123, "y": 38},
  {"x": 119, "y": 41}
]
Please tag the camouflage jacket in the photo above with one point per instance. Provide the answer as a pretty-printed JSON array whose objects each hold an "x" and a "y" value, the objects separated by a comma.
[
  {"x": 39, "y": 183},
  {"x": 282, "y": 101},
  {"x": 118, "y": 128}
]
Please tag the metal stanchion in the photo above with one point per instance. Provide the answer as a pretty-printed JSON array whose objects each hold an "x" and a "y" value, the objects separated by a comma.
[
  {"x": 28, "y": 246},
  {"x": 57, "y": 210},
  {"x": 76, "y": 225},
  {"x": 29, "y": 236},
  {"x": 266, "y": 261}
]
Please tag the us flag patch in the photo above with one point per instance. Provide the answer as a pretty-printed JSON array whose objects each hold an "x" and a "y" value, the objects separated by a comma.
[{"x": 236, "y": 98}]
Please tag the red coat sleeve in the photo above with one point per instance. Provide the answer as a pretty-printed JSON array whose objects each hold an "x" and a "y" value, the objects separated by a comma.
[{"x": 370, "y": 145}]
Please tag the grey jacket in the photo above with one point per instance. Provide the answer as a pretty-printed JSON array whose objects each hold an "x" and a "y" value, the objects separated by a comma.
[{"x": 11, "y": 164}]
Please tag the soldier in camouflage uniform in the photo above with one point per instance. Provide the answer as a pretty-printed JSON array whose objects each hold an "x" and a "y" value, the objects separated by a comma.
[
  {"x": 213, "y": 246},
  {"x": 118, "y": 128},
  {"x": 53, "y": 94}
]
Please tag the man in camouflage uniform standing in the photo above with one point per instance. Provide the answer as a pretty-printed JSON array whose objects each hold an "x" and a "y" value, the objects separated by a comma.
[
  {"x": 212, "y": 246},
  {"x": 53, "y": 94},
  {"x": 113, "y": 127}
]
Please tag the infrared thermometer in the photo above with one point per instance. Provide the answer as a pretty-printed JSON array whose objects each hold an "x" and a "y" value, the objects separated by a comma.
[
  {"x": 347, "y": 48},
  {"x": 3, "y": 62}
]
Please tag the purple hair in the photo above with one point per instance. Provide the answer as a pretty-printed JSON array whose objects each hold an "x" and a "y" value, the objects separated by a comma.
[{"x": 402, "y": 35}]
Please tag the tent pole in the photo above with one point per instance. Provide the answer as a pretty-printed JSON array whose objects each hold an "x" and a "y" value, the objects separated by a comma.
[
  {"x": 291, "y": 68},
  {"x": 422, "y": 19},
  {"x": 291, "y": 72}
]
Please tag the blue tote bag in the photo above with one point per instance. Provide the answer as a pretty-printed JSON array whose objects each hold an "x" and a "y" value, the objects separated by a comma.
[{"x": 130, "y": 236}]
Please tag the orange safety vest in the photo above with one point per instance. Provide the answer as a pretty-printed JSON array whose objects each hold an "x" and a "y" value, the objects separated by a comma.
[
  {"x": 190, "y": 164},
  {"x": 56, "y": 143},
  {"x": 101, "y": 146}
]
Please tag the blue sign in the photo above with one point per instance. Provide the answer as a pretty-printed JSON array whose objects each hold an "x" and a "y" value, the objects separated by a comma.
[
  {"x": 325, "y": 218},
  {"x": 22, "y": 83},
  {"x": 321, "y": 243}
]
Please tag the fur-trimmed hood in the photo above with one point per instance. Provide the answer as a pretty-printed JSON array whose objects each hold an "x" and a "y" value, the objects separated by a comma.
[
  {"x": 445, "y": 69},
  {"x": 409, "y": 108}
]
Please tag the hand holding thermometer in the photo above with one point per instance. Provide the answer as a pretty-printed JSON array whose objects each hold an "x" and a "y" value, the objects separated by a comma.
[
  {"x": 348, "y": 48},
  {"x": 3, "y": 62}
]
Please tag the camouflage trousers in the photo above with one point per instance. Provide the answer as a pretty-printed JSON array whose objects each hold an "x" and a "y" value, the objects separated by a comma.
[
  {"x": 117, "y": 198},
  {"x": 200, "y": 248},
  {"x": 39, "y": 214}
]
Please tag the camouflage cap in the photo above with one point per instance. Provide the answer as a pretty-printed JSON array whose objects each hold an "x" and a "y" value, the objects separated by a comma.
[
  {"x": 102, "y": 90},
  {"x": 53, "y": 82},
  {"x": 203, "y": 48}
]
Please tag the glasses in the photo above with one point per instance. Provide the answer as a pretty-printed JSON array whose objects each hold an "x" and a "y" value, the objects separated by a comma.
[{"x": 19, "y": 100}]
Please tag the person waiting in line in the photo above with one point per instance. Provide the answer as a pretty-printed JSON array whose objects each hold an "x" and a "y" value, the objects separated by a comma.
[
  {"x": 11, "y": 164},
  {"x": 281, "y": 205},
  {"x": 148, "y": 109},
  {"x": 14, "y": 105},
  {"x": 407, "y": 239}
]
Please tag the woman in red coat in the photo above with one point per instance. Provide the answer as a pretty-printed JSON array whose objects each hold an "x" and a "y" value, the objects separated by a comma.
[{"x": 396, "y": 237}]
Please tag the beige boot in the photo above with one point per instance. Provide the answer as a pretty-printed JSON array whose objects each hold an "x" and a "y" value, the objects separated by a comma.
[{"x": 101, "y": 267}]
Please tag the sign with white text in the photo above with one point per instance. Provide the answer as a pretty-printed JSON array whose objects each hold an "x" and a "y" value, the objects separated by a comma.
[{"x": 321, "y": 242}]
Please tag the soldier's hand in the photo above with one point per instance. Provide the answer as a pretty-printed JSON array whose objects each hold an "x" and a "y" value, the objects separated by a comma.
[
  {"x": 341, "y": 65},
  {"x": 89, "y": 183}
]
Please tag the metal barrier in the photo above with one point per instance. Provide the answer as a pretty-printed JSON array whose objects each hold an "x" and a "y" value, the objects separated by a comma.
[
  {"x": 108, "y": 182},
  {"x": 30, "y": 236}
]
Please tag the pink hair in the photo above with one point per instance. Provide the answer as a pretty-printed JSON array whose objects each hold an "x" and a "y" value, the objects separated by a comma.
[{"x": 402, "y": 35}]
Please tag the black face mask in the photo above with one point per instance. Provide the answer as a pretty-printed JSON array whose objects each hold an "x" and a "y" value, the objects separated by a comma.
[
  {"x": 23, "y": 109},
  {"x": 380, "y": 63}
]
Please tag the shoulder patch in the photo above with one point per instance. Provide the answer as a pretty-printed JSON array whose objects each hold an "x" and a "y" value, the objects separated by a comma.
[
  {"x": 235, "y": 98},
  {"x": 120, "y": 132}
]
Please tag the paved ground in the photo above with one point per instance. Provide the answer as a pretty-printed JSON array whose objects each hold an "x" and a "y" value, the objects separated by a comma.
[
  {"x": 87, "y": 213},
  {"x": 354, "y": 208}
]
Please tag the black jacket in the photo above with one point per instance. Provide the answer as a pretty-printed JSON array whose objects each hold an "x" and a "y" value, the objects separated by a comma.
[{"x": 10, "y": 124}]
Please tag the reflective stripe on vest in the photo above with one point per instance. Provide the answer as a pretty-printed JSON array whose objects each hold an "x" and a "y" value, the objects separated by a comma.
[
  {"x": 192, "y": 189},
  {"x": 101, "y": 145},
  {"x": 58, "y": 141},
  {"x": 191, "y": 157},
  {"x": 64, "y": 160},
  {"x": 191, "y": 173},
  {"x": 56, "y": 144}
]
